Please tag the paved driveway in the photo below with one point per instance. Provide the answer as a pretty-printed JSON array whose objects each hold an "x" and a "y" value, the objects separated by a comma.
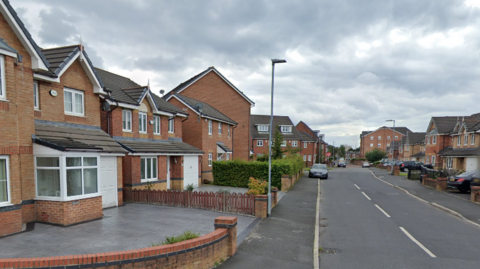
[{"x": 124, "y": 228}]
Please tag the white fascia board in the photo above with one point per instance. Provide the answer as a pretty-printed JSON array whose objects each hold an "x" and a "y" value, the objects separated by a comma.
[
  {"x": 45, "y": 78},
  {"x": 113, "y": 154},
  {"x": 37, "y": 62},
  {"x": 165, "y": 154},
  {"x": 196, "y": 112},
  {"x": 120, "y": 104},
  {"x": 8, "y": 53}
]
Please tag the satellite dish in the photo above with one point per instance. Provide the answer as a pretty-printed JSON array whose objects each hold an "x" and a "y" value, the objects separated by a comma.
[
  {"x": 162, "y": 92},
  {"x": 199, "y": 107},
  {"x": 105, "y": 106}
]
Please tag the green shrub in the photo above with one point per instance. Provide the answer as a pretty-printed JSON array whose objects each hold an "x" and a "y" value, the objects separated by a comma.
[
  {"x": 237, "y": 173},
  {"x": 189, "y": 187},
  {"x": 187, "y": 235},
  {"x": 257, "y": 186}
]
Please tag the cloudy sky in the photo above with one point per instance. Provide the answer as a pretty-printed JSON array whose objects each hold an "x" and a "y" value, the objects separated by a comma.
[{"x": 351, "y": 64}]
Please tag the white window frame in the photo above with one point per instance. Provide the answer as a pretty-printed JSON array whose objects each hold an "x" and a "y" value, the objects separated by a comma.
[
  {"x": 396, "y": 137},
  {"x": 304, "y": 157},
  {"x": 126, "y": 120},
  {"x": 228, "y": 129},
  {"x": 309, "y": 158},
  {"x": 157, "y": 126},
  {"x": 433, "y": 159},
  {"x": 371, "y": 137},
  {"x": 219, "y": 128},
  {"x": 210, "y": 159},
  {"x": 472, "y": 139},
  {"x": 36, "y": 97},
  {"x": 294, "y": 143},
  {"x": 371, "y": 145},
  {"x": 434, "y": 139},
  {"x": 142, "y": 122},
  {"x": 284, "y": 144},
  {"x": 305, "y": 145},
  {"x": 465, "y": 139},
  {"x": 286, "y": 129},
  {"x": 379, "y": 137},
  {"x": 63, "y": 176},
  {"x": 459, "y": 140},
  {"x": 3, "y": 84},
  {"x": 7, "y": 167},
  {"x": 74, "y": 94},
  {"x": 228, "y": 157},
  {"x": 388, "y": 137},
  {"x": 450, "y": 163},
  {"x": 263, "y": 127},
  {"x": 210, "y": 127},
  {"x": 171, "y": 125},
  {"x": 153, "y": 168},
  {"x": 259, "y": 143}
]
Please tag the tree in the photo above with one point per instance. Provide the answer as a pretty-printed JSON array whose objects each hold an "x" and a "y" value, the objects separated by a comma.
[
  {"x": 341, "y": 151},
  {"x": 375, "y": 155},
  {"x": 277, "y": 152}
]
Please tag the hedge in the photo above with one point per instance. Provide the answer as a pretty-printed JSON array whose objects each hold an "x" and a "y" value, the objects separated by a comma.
[{"x": 237, "y": 173}]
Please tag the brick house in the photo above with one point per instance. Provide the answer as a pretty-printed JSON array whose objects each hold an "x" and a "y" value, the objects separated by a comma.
[
  {"x": 380, "y": 138},
  {"x": 465, "y": 148},
  {"x": 211, "y": 87},
  {"x": 312, "y": 145},
  {"x": 53, "y": 154},
  {"x": 208, "y": 129},
  {"x": 412, "y": 144},
  {"x": 150, "y": 129},
  {"x": 438, "y": 138},
  {"x": 260, "y": 125}
]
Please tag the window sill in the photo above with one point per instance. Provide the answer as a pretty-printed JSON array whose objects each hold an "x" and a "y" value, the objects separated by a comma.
[
  {"x": 158, "y": 134},
  {"x": 149, "y": 180},
  {"x": 36, "y": 109},
  {"x": 142, "y": 132},
  {"x": 171, "y": 132},
  {"x": 75, "y": 115},
  {"x": 6, "y": 204},
  {"x": 72, "y": 198},
  {"x": 127, "y": 131}
]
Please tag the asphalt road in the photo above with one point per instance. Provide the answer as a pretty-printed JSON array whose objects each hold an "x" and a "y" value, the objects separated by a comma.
[{"x": 369, "y": 224}]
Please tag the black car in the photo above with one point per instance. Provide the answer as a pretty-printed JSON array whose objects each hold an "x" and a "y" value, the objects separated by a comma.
[
  {"x": 319, "y": 170},
  {"x": 462, "y": 182},
  {"x": 342, "y": 164},
  {"x": 407, "y": 165}
]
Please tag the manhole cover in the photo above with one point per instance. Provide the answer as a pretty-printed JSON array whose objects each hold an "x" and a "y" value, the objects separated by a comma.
[{"x": 329, "y": 251}]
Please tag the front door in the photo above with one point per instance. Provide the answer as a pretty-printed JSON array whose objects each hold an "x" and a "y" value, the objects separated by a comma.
[{"x": 108, "y": 181}]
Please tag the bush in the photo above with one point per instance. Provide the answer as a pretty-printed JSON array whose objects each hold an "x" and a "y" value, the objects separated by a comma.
[
  {"x": 237, "y": 173},
  {"x": 375, "y": 155},
  {"x": 257, "y": 187},
  {"x": 189, "y": 187}
]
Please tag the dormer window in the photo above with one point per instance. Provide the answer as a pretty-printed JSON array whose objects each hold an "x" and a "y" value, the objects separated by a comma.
[
  {"x": 263, "y": 128},
  {"x": 286, "y": 129}
]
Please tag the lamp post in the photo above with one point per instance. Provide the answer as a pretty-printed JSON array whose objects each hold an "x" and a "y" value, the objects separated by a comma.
[
  {"x": 393, "y": 139},
  {"x": 269, "y": 203}
]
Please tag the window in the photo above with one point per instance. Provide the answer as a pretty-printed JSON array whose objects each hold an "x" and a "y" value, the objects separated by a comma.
[
  {"x": 286, "y": 129},
  {"x": 156, "y": 125},
  {"x": 388, "y": 137},
  {"x": 434, "y": 139},
  {"x": 73, "y": 102},
  {"x": 148, "y": 169},
  {"x": 171, "y": 125},
  {"x": 396, "y": 137},
  {"x": 371, "y": 137},
  {"x": 263, "y": 128},
  {"x": 472, "y": 139},
  {"x": 450, "y": 163},
  {"x": 465, "y": 139},
  {"x": 309, "y": 158},
  {"x": 4, "y": 181},
  {"x": 294, "y": 143},
  {"x": 428, "y": 140},
  {"x": 433, "y": 159},
  {"x": 36, "y": 102},
  {"x": 219, "y": 128},
  {"x": 3, "y": 94},
  {"x": 371, "y": 145},
  {"x": 228, "y": 128},
  {"x": 408, "y": 147},
  {"x": 459, "y": 140},
  {"x": 305, "y": 144},
  {"x": 379, "y": 137},
  {"x": 127, "y": 120},
  {"x": 210, "y": 157},
  {"x": 67, "y": 177},
  {"x": 259, "y": 143},
  {"x": 284, "y": 143},
  {"x": 228, "y": 157},
  {"x": 379, "y": 145},
  {"x": 304, "y": 158},
  {"x": 142, "y": 122},
  {"x": 210, "y": 127}
]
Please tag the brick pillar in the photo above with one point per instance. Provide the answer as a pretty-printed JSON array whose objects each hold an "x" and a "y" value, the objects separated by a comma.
[
  {"x": 396, "y": 171},
  {"x": 229, "y": 223},
  {"x": 441, "y": 184},
  {"x": 286, "y": 183},
  {"x": 261, "y": 206},
  {"x": 475, "y": 193},
  {"x": 274, "y": 196}
]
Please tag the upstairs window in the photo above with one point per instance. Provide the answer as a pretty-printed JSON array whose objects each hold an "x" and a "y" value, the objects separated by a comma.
[
  {"x": 305, "y": 145},
  {"x": 371, "y": 145},
  {"x": 396, "y": 137},
  {"x": 36, "y": 102},
  {"x": 286, "y": 129},
  {"x": 228, "y": 128},
  {"x": 371, "y": 137},
  {"x": 263, "y": 128},
  {"x": 284, "y": 143},
  {"x": 428, "y": 140},
  {"x": 142, "y": 122},
  {"x": 210, "y": 127},
  {"x": 472, "y": 139},
  {"x": 434, "y": 140},
  {"x": 73, "y": 102},
  {"x": 156, "y": 125},
  {"x": 388, "y": 137},
  {"x": 127, "y": 120},
  {"x": 3, "y": 94},
  {"x": 219, "y": 128},
  {"x": 465, "y": 139},
  {"x": 459, "y": 138},
  {"x": 294, "y": 143},
  {"x": 259, "y": 143},
  {"x": 171, "y": 125},
  {"x": 379, "y": 138}
]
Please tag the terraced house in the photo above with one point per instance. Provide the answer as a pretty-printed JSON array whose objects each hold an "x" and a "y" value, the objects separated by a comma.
[
  {"x": 438, "y": 138},
  {"x": 412, "y": 146},
  {"x": 56, "y": 164},
  {"x": 150, "y": 129}
]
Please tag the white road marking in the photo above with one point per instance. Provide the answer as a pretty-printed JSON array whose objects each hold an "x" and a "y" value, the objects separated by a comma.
[
  {"x": 418, "y": 243},
  {"x": 366, "y": 196},
  {"x": 383, "y": 211},
  {"x": 356, "y": 186}
]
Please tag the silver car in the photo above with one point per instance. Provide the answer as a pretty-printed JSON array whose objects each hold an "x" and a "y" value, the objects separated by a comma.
[{"x": 319, "y": 170}]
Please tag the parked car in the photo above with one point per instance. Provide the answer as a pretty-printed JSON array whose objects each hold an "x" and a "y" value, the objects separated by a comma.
[
  {"x": 365, "y": 164},
  {"x": 342, "y": 164},
  {"x": 319, "y": 170},
  {"x": 406, "y": 165},
  {"x": 462, "y": 182}
]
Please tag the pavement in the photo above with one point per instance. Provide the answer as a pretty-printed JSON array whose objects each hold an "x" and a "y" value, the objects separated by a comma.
[
  {"x": 286, "y": 239},
  {"x": 366, "y": 223},
  {"x": 127, "y": 227},
  {"x": 215, "y": 188},
  {"x": 453, "y": 200}
]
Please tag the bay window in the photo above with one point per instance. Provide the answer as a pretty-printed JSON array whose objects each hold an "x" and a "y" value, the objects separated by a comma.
[
  {"x": 148, "y": 169},
  {"x": 142, "y": 122},
  {"x": 4, "y": 181},
  {"x": 73, "y": 100}
]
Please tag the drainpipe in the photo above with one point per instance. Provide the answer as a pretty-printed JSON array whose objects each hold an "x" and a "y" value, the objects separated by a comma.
[{"x": 233, "y": 143}]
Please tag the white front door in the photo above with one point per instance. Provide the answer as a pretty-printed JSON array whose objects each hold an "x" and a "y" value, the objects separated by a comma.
[
  {"x": 168, "y": 172},
  {"x": 190, "y": 170},
  {"x": 108, "y": 181},
  {"x": 471, "y": 164}
]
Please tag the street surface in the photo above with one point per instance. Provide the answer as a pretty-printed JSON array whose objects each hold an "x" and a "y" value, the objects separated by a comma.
[{"x": 366, "y": 223}]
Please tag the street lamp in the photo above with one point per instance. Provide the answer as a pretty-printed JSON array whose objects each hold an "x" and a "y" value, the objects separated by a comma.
[
  {"x": 393, "y": 139},
  {"x": 269, "y": 203}
]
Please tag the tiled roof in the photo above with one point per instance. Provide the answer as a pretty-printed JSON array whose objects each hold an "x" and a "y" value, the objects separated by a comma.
[
  {"x": 418, "y": 155},
  {"x": 157, "y": 146},
  {"x": 163, "y": 105},
  {"x": 59, "y": 57},
  {"x": 277, "y": 120},
  {"x": 5, "y": 46},
  {"x": 207, "y": 109},
  {"x": 224, "y": 147},
  {"x": 414, "y": 138},
  {"x": 306, "y": 137},
  {"x": 74, "y": 137},
  {"x": 444, "y": 125},
  {"x": 188, "y": 82},
  {"x": 451, "y": 152}
]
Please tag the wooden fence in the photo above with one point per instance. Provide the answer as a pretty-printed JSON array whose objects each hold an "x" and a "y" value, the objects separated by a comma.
[{"x": 236, "y": 203}]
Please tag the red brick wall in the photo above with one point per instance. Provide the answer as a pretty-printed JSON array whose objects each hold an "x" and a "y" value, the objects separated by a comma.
[
  {"x": 11, "y": 222},
  {"x": 131, "y": 169},
  {"x": 71, "y": 212},
  {"x": 176, "y": 173},
  {"x": 383, "y": 132},
  {"x": 216, "y": 92}
]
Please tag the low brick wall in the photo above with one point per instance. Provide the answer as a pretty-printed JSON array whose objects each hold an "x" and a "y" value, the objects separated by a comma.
[
  {"x": 10, "y": 222},
  {"x": 429, "y": 182},
  {"x": 475, "y": 194},
  {"x": 289, "y": 181},
  {"x": 202, "y": 252},
  {"x": 441, "y": 184},
  {"x": 71, "y": 212}
]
